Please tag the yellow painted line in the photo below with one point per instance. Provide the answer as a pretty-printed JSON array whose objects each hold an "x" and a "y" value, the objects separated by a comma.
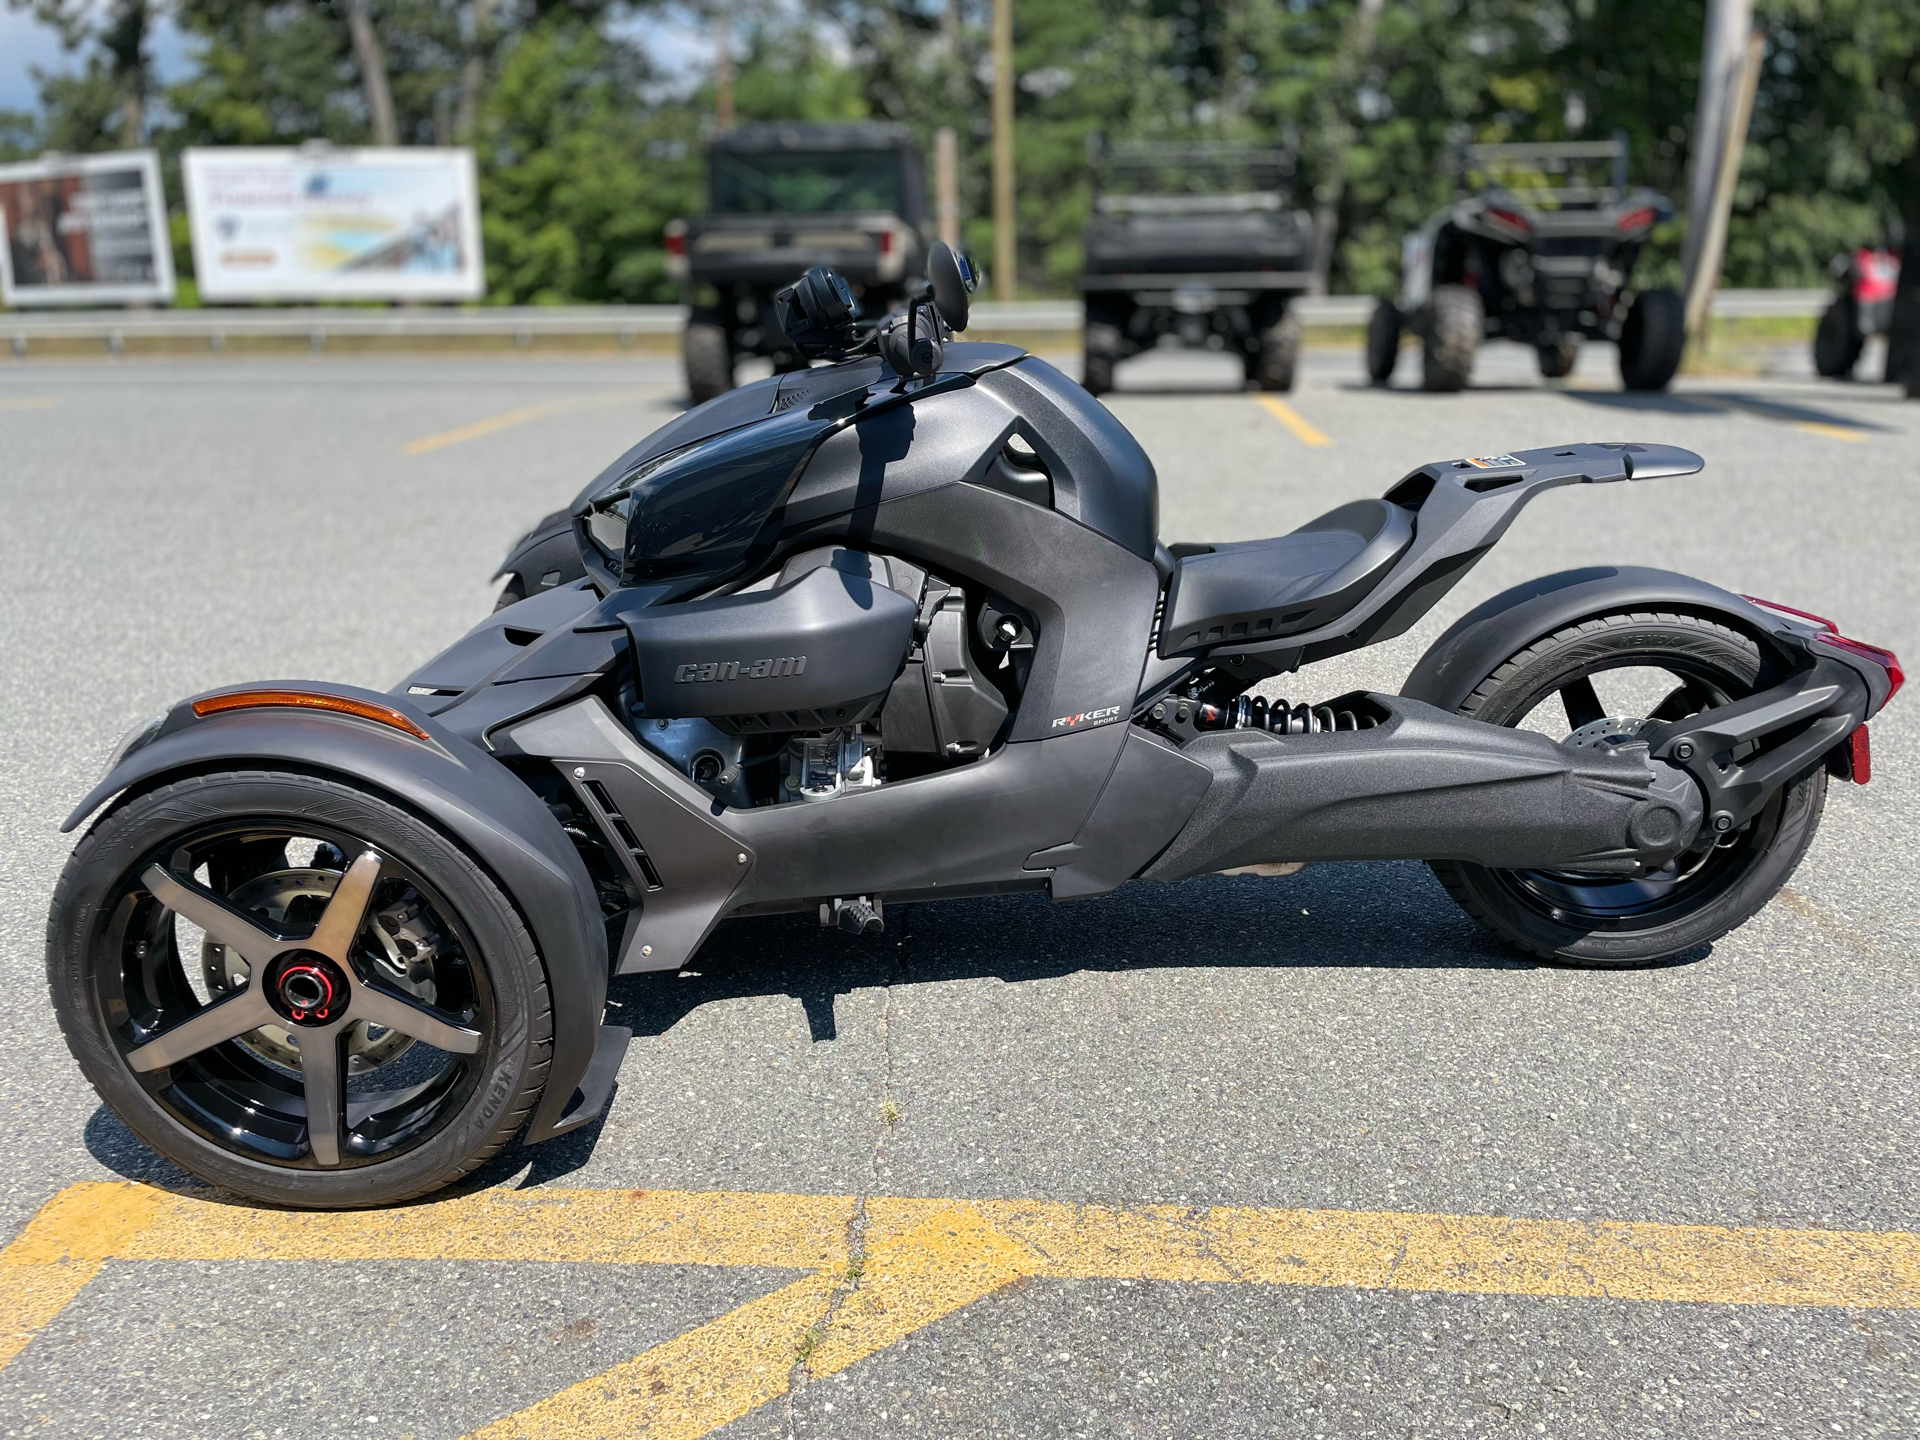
[
  {"x": 1289, "y": 417},
  {"x": 30, "y": 402},
  {"x": 494, "y": 424},
  {"x": 920, "y": 1260},
  {"x": 689, "y": 1386},
  {"x": 1832, "y": 432}
]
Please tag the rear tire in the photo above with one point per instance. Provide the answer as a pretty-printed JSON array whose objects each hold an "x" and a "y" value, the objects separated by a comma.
[
  {"x": 1383, "y": 342},
  {"x": 1558, "y": 359},
  {"x": 1607, "y": 922},
  {"x": 1456, "y": 320},
  {"x": 1652, "y": 340},
  {"x": 1279, "y": 355},
  {"x": 1101, "y": 350},
  {"x": 233, "y": 1111},
  {"x": 1838, "y": 342},
  {"x": 709, "y": 361}
]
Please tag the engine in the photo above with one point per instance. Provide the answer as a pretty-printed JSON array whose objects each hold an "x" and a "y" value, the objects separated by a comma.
[{"x": 840, "y": 672}]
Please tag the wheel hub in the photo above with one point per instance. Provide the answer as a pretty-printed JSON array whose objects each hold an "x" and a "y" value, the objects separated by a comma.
[
  {"x": 402, "y": 946},
  {"x": 307, "y": 988}
]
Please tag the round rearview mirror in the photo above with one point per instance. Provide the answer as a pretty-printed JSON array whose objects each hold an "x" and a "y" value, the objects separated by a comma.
[{"x": 952, "y": 277}]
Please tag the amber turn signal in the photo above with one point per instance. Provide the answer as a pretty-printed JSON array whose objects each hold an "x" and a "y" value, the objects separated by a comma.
[{"x": 308, "y": 700}]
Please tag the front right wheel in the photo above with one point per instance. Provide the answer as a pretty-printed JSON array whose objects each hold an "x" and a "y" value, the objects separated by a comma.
[
  {"x": 1614, "y": 671},
  {"x": 294, "y": 989}
]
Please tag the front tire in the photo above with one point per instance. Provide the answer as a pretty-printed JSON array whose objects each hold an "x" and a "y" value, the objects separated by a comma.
[
  {"x": 1456, "y": 320},
  {"x": 1657, "y": 666},
  {"x": 1383, "y": 341},
  {"x": 1101, "y": 348},
  {"x": 1652, "y": 340},
  {"x": 1279, "y": 354},
  {"x": 709, "y": 361},
  {"x": 1838, "y": 342},
  {"x": 426, "y": 1032},
  {"x": 1558, "y": 359}
]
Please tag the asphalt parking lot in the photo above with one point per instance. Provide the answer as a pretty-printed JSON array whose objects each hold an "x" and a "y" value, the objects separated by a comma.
[{"x": 1011, "y": 1169}]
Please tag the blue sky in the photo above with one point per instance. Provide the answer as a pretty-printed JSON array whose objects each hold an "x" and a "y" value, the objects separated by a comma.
[{"x": 25, "y": 43}]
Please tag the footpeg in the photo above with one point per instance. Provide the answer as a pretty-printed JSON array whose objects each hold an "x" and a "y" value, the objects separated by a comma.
[{"x": 858, "y": 916}]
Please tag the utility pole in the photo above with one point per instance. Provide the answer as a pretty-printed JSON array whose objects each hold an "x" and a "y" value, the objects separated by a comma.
[
  {"x": 1723, "y": 54},
  {"x": 723, "y": 67},
  {"x": 1711, "y": 250},
  {"x": 1003, "y": 237},
  {"x": 946, "y": 185}
]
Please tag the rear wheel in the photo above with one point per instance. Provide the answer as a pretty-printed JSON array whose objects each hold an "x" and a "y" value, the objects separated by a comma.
[
  {"x": 1383, "y": 342},
  {"x": 1652, "y": 340},
  {"x": 1630, "y": 666},
  {"x": 709, "y": 361},
  {"x": 1279, "y": 354},
  {"x": 1558, "y": 359},
  {"x": 1101, "y": 349},
  {"x": 1838, "y": 342},
  {"x": 1455, "y": 322},
  {"x": 293, "y": 989}
]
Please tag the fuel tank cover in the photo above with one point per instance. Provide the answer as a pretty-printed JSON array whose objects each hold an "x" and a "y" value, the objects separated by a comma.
[{"x": 829, "y": 640}]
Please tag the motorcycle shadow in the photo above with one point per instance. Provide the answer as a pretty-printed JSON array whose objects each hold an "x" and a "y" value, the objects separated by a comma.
[{"x": 1390, "y": 916}]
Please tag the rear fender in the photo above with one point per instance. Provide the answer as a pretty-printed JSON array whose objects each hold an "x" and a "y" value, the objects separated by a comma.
[
  {"x": 1496, "y": 629},
  {"x": 459, "y": 787}
]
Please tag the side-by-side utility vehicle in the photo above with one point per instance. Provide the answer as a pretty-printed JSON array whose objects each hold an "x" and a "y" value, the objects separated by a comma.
[
  {"x": 900, "y": 627},
  {"x": 1543, "y": 252}
]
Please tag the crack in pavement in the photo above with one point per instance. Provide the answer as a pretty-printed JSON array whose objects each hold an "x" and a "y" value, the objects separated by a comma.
[{"x": 889, "y": 1112}]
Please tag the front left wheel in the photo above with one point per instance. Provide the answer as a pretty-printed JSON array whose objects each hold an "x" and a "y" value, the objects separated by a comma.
[{"x": 292, "y": 988}]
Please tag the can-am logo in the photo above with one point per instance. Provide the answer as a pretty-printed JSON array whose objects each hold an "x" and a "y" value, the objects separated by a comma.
[
  {"x": 741, "y": 669},
  {"x": 1086, "y": 717}
]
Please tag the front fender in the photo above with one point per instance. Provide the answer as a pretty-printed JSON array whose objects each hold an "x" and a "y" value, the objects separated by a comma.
[
  {"x": 1492, "y": 631},
  {"x": 459, "y": 787}
]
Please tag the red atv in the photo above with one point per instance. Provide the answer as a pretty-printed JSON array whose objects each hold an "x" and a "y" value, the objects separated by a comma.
[{"x": 1864, "y": 306}]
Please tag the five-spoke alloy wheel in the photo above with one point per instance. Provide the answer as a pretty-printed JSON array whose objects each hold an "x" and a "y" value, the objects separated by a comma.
[{"x": 296, "y": 989}]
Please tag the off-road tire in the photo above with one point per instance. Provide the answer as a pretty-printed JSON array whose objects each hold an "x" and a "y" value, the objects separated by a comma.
[
  {"x": 1652, "y": 340},
  {"x": 1652, "y": 638},
  {"x": 709, "y": 361},
  {"x": 1456, "y": 320},
  {"x": 1101, "y": 348},
  {"x": 1558, "y": 359},
  {"x": 1279, "y": 354},
  {"x": 517, "y": 1054},
  {"x": 1837, "y": 342},
  {"x": 1383, "y": 341}
]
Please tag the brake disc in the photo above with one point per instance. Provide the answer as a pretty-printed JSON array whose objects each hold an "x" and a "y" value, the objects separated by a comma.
[{"x": 406, "y": 945}]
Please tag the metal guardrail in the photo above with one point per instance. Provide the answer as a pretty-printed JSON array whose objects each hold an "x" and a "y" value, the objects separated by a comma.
[{"x": 625, "y": 325}]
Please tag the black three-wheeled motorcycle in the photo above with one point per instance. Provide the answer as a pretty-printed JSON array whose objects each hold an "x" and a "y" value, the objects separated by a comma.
[{"x": 897, "y": 627}]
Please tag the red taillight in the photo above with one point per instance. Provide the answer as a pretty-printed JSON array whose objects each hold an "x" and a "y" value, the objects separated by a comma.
[
  {"x": 1885, "y": 659},
  {"x": 1508, "y": 217},
  {"x": 1859, "y": 756},
  {"x": 1634, "y": 220},
  {"x": 886, "y": 242}
]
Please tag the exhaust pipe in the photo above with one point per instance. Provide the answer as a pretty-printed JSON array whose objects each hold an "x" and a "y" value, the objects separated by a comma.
[{"x": 1423, "y": 784}]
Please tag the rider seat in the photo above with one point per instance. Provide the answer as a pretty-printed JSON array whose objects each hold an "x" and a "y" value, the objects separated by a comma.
[{"x": 1257, "y": 590}]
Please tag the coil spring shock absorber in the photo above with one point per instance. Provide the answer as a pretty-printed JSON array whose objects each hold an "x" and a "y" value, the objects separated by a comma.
[{"x": 1280, "y": 717}]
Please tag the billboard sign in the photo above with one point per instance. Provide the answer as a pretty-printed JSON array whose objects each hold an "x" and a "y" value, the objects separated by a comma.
[
  {"x": 84, "y": 229},
  {"x": 322, "y": 224}
]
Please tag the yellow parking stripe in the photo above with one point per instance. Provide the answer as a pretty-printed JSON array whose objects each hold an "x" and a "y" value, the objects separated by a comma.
[
  {"x": 29, "y": 402},
  {"x": 494, "y": 424},
  {"x": 1289, "y": 417},
  {"x": 919, "y": 1260},
  {"x": 1832, "y": 432}
]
